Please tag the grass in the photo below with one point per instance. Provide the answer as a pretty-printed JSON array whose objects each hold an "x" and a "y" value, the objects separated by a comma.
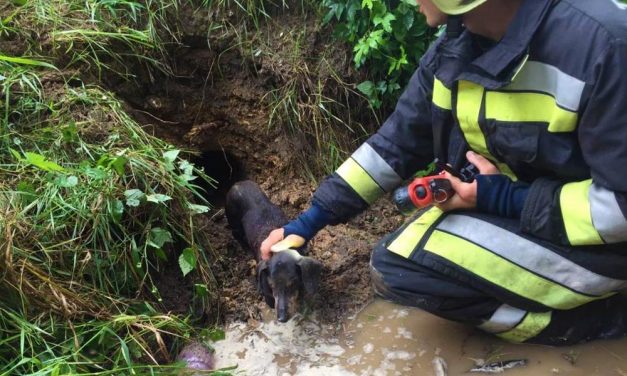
[
  {"x": 93, "y": 208},
  {"x": 97, "y": 35},
  {"x": 314, "y": 104}
]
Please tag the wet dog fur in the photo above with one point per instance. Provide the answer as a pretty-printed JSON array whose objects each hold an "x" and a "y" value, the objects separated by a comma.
[{"x": 288, "y": 275}]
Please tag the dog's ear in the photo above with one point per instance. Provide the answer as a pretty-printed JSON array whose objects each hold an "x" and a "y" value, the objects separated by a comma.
[
  {"x": 310, "y": 270},
  {"x": 262, "y": 282}
]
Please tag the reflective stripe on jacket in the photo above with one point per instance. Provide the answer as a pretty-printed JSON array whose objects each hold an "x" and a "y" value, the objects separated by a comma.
[{"x": 547, "y": 104}]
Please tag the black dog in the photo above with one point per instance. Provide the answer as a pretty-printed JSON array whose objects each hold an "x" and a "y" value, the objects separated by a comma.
[{"x": 287, "y": 274}]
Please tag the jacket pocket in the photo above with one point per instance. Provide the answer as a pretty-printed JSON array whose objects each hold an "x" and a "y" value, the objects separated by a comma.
[{"x": 514, "y": 142}]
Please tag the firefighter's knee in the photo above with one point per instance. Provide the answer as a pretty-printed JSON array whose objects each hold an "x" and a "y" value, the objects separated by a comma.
[{"x": 377, "y": 265}]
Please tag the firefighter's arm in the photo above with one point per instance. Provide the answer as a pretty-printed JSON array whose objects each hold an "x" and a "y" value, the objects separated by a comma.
[
  {"x": 403, "y": 145},
  {"x": 593, "y": 211}
]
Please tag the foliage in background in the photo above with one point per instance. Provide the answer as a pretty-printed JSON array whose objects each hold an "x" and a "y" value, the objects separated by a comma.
[{"x": 389, "y": 37}]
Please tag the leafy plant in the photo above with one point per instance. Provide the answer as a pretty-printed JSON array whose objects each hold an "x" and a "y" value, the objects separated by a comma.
[
  {"x": 93, "y": 210},
  {"x": 388, "y": 39}
]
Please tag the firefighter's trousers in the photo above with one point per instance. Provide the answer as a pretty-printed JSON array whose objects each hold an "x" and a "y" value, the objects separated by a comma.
[{"x": 481, "y": 270}]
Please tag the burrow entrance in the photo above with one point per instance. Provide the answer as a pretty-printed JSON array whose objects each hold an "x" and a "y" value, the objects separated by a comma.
[{"x": 224, "y": 169}]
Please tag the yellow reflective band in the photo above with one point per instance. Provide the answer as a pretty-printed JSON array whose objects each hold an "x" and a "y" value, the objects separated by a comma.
[
  {"x": 576, "y": 214},
  {"x": 504, "y": 273},
  {"x": 469, "y": 98},
  {"x": 358, "y": 179},
  {"x": 531, "y": 107},
  {"x": 441, "y": 95},
  {"x": 531, "y": 326},
  {"x": 408, "y": 239}
]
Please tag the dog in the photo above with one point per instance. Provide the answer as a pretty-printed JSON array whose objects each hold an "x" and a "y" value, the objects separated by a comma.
[{"x": 288, "y": 274}]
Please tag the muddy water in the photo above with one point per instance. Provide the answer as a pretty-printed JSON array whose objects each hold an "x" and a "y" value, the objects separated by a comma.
[{"x": 385, "y": 339}]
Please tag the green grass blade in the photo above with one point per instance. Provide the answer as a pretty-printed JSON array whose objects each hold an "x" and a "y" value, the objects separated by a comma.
[{"x": 26, "y": 61}]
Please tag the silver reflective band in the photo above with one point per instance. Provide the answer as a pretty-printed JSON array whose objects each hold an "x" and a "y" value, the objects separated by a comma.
[
  {"x": 607, "y": 217},
  {"x": 540, "y": 77},
  {"x": 376, "y": 167},
  {"x": 504, "y": 318},
  {"x": 531, "y": 256},
  {"x": 619, "y": 4}
]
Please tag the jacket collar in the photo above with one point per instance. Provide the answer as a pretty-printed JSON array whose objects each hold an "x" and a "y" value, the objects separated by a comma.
[
  {"x": 516, "y": 41},
  {"x": 495, "y": 67}
]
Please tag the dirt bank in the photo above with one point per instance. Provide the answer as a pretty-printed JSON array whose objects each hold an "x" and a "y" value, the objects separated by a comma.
[{"x": 218, "y": 104}]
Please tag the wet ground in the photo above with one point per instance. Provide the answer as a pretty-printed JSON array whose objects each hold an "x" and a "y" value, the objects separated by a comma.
[{"x": 385, "y": 339}]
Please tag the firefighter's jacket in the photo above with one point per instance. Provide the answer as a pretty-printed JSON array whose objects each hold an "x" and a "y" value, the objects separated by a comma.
[{"x": 547, "y": 104}]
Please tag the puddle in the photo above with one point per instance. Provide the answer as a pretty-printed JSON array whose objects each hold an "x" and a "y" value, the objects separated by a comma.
[{"x": 388, "y": 340}]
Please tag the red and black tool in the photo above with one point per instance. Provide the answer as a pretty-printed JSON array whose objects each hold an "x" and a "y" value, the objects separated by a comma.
[
  {"x": 432, "y": 189},
  {"x": 422, "y": 192}
]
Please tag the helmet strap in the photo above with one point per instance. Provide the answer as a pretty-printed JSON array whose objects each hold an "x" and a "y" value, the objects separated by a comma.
[{"x": 454, "y": 26}]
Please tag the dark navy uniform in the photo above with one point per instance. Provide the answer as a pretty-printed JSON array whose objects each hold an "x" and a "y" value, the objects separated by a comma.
[{"x": 547, "y": 105}]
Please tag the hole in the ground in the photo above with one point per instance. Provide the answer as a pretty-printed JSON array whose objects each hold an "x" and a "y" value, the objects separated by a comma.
[{"x": 224, "y": 168}]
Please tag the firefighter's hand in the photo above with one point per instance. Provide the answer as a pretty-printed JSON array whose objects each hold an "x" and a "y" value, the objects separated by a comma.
[
  {"x": 466, "y": 193},
  {"x": 276, "y": 243}
]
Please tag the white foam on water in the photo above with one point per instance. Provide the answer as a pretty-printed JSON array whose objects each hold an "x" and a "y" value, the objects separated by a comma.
[{"x": 298, "y": 347}]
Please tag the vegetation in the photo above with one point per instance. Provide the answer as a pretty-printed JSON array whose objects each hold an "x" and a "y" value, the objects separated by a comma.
[
  {"x": 389, "y": 37},
  {"x": 93, "y": 207}
]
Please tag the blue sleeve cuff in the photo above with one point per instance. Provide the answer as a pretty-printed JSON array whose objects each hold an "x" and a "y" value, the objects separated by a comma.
[
  {"x": 309, "y": 222},
  {"x": 498, "y": 194}
]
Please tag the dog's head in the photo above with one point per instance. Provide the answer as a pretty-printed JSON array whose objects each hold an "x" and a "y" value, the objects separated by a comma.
[{"x": 285, "y": 277}]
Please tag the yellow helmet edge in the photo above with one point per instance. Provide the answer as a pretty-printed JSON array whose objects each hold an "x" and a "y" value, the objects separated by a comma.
[{"x": 454, "y": 8}]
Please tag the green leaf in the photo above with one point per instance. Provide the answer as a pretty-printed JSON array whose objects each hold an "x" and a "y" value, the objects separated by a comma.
[
  {"x": 367, "y": 4},
  {"x": 66, "y": 181},
  {"x": 215, "y": 334},
  {"x": 201, "y": 289},
  {"x": 133, "y": 197},
  {"x": 186, "y": 167},
  {"x": 361, "y": 52},
  {"x": 118, "y": 164},
  {"x": 70, "y": 132},
  {"x": 96, "y": 173},
  {"x": 158, "y": 198},
  {"x": 375, "y": 39},
  {"x": 384, "y": 21},
  {"x": 117, "y": 210},
  {"x": 158, "y": 237},
  {"x": 41, "y": 162},
  {"x": 187, "y": 261},
  {"x": 169, "y": 157},
  {"x": 367, "y": 87},
  {"x": 198, "y": 209}
]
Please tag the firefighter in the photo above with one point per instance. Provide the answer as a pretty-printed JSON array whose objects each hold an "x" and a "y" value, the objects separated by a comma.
[{"x": 534, "y": 249}]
